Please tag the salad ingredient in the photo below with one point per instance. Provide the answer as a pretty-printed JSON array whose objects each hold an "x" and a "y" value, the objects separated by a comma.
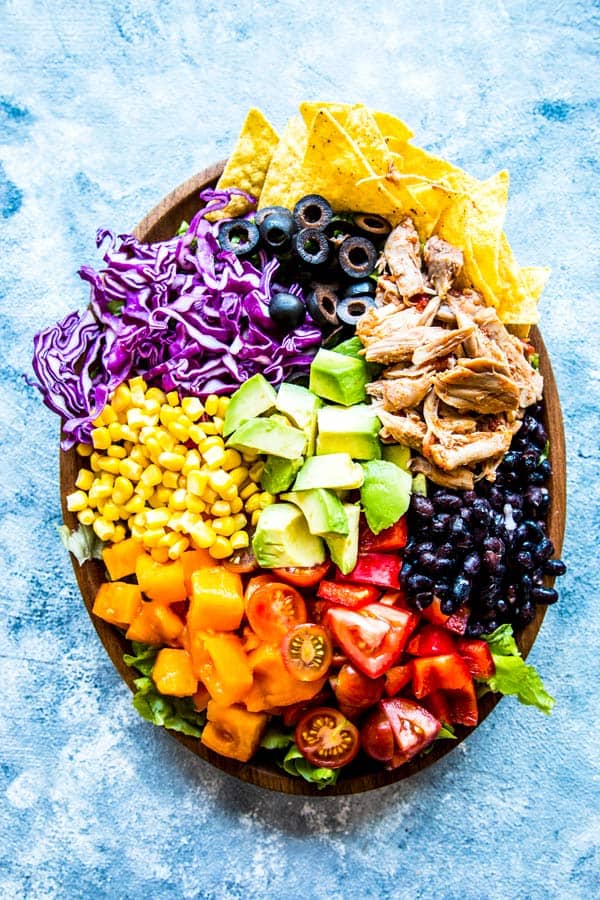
[
  {"x": 282, "y": 539},
  {"x": 394, "y": 537},
  {"x": 354, "y": 596},
  {"x": 431, "y": 640},
  {"x": 155, "y": 623},
  {"x": 287, "y": 310},
  {"x": 356, "y": 692},
  {"x": 397, "y": 678},
  {"x": 373, "y": 637},
  {"x": 373, "y": 226},
  {"x": 333, "y": 471},
  {"x": 273, "y": 609},
  {"x": 268, "y": 435},
  {"x": 172, "y": 673},
  {"x": 307, "y": 576},
  {"x": 512, "y": 675},
  {"x": 306, "y": 651},
  {"x": 238, "y": 236},
  {"x": 300, "y": 406},
  {"x": 253, "y": 398},
  {"x": 175, "y": 713},
  {"x": 377, "y": 737},
  {"x": 343, "y": 549},
  {"x": 384, "y": 494},
  {"x": 339, "y": 380},
  {"x": 216, "y": 600},
  {"x": 321, "y": 304},
  {"x": 366, "y": 288},
  {"x": 222, "y": 664},
  {"x": 326, "y": 738},
  {"x": 402, "y": 254},
  {"x": 352, "y": 430},
  {"x": 312, "y": 211},
  {"x": 233, "y": 731},
  {"x": 163, "y": 582},
  {"x": 279, "y": 473},
  {"x": 295, "y": 764},
  {"x": 118, "y": 602},
  {"x": 478, "y": 657},
  {"x": 121, "y": 559},
  {"x": 351, "y": 309},
  {"x": 83, "y": 542},
  {"x": 322, "y": 509},
  {"x": 381, "y": 569},
  {"x": 357, "y": 257},
  {"x": 273, "y": 685},
  {"x": 311, "y": 248},
  {"x": 413, "y": 728},
  {"x": 276, "y": 227}
]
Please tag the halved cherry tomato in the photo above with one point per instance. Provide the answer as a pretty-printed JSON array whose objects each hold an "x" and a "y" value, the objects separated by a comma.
[
  {"x": 413, "y": 727},
  {"x": 377, "y": 738},
  {"x": 477, "y": 655},
  {"x": 372, "y": 638},
  {"x": 392, "y": 538},
  {"x": 440, "y": 673},
  {"x": 254, "y": 583},
  {"x": 397, "y": 678},
  {"x": 326, "y": 738},
  {"x": 303, "y": 576},
  {"x": 356, "y": 692},
  {"x": 431, "y": 640},
  {"x": 307, "y": 652},
  {"x": 351, "y": 595},
  {"x": 273, "y": 609}
]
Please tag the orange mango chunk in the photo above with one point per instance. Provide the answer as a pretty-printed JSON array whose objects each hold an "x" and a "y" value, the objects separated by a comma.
[
  {"x": 160, "y": 581},
  {"x": 192, "y": 560},
  {"x": 273, "y": 685},
  {"x": 172, "y": 673},
  {"x": 217, "y": 600},
  {"x": 232, "y": 731},
  {"x": 231, "y": 678},
  {"x": 155, "y": 624},
  {"x": 118, "y": 602},
  {"x": 121, "y": 559}
]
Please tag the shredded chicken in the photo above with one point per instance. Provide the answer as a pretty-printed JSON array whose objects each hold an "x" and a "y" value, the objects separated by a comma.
[{"x": 455, "y": 382}]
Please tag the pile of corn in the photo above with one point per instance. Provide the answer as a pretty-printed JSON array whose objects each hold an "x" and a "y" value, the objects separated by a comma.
[{"x": 159, "y": 471}]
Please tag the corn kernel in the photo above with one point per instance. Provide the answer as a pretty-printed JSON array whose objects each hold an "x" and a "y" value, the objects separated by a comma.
[
  {"x": 196, "y": 482},
  {"x": 211, "y": 405},
  {"x": 106, "y": 478},
  {"x": 239, "y": 540},
  {"x": 169, "y": 538},
  {"x": 139, "y": 454},
  {"x": 220, "y": 508},
  {"x": 77, "y": 501},
  {"x": 255, "y": 517},
  {"x": 221, "y": 548},
  {"x": 99, "y": 491},
  {"x": 160, "y": 497},
  {"x": 121, "y": 398},
  {"x": 240, "y": 521},
  {"x": 151, "y": 537},
  {"x": 110, "y": 511},
  {"x": 248, "y": 490},
  {"x": 109, "y": 464},
  {"x": 192, "y": 407},
  {"x": 192, "y": 461},
  {"x": 122, "y": 490},
  {"x": 151, "y": 406},
  {"x": 86, "y": 516},
  {"x": 155, "y": 393},
  {"x": 253, "y": 503},
  {"x": 221, "y": 482},
  {"x": 171, "y": 461},
  {"x": 177, "y": 500},
  {"x": 239, "y": 475},
  {"x": 84, "y": 449},
  {"x": 237, "y": 505},
  {"x": 189, "y": 520},
  {"x": 100, "y": 438},
  {"x": 103, "y": 528},
  {"x": 214, "y": 458},
  {"x": 197, "y": 435},
  {"x": 213, "y": 441},
  {"x": 119, "y": 535},
  {"x": 138, "y": 387},
  {"x": 249, "y": 457},
  {"x": 209, "y": 496},
  {"x": 95, "y": 458},
  {"x": 179, "y": 431},
  {"x": 231, "y": 460},
  {"x": 137, "y": 531},
  {"x": 266, "y": 499},
  {"x": 255, "y": 472},
  {"x": 194, "y": 504},
  {"x": 136, "y": 418},
  {"x": 84, "y": 480},
  {"x": 129, "y": 468},
  {"x": 144, "y": 490},
  {"x": 159, "y": 554},
  {"x": 116, "y": 451},
  {"x": 214, "y": 427},
  {"x": 203, "y": 535},
  {"x": 168, "y": 414},
  {"x": 179, "y": 547},
  {"x": 173, "y": 398},
  {"x": 224, "y": 526},
  {"x": 114, "y": 430},
  {"x": 222, "y": 408},
  {"x": 170, "y": 480},
  {"x": 135, "y": 505},
  {"x": 151, "y": 475},
  {"x": 157, "y": 518},
  {"x": 128, "y": 434}
]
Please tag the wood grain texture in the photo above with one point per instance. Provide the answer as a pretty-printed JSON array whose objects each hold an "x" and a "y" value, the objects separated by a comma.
[{"x": 161, "y": 223}]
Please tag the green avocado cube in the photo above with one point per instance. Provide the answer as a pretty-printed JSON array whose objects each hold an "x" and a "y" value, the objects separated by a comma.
[
  {"x": 339, "y": 378},
  {"x": 253, "y": 398},
  {"x": 282, "y": 539},
  {"x": 385, "y": 493},
  {"x": 397, "y": 454},
  {"x": 350, "y": 429},
  {"x": 268, "y": 435},
  {"x": 335, "y": 471},
  {"x": 279, "y": 473},
  {"x": 343, "y": 549},
  {"x": 300, "y": 406},
  {"x": 322, "y": 510}
]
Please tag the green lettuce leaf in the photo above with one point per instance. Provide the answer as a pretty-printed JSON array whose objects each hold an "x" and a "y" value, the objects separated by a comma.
[
  {"x": 295, "y": 764},
  {"x": 83, "y": 542},
  {"x": 275, "y": 739},
  {"x": 446, "y": 731},
  {"x": 176, "y": 713},
  {"x": 513, "y": 676},
  {"x": 143, "y": 658}
]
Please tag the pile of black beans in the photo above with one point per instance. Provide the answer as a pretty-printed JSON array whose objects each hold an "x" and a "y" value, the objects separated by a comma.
[{"x": 487, "y": 548}]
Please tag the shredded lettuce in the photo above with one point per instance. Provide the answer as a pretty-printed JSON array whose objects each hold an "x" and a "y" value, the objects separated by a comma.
[
  {"x": 83, "y": 542},
  {"x": 446, "y": 731},
  {"x": 512, "y": 675},
  {"x": 143, "y": 657}
]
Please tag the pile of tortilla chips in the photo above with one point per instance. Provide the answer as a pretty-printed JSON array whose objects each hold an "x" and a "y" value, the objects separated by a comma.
[{"x": 362, "y": 160}]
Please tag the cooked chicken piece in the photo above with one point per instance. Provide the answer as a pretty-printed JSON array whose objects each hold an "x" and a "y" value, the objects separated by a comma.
[
  {"x": 469, "y": 449},
  {"x": 443, "y": 262},
  {"x": 443, "y": 422},
  {"x": 478, "y": 344},
  {"x": 430, "y": 312},
  {"x": 402, "y": 253},
  {"x": 529, "y": 382},
  {"x": 404, "y": 344},
  {"x": 485, "y": 364},
  {"x": 408, "y": 429},
  {"x": 461, "y": 479},
  {"x": 440, "y": 344},
  {"x": 403, "y": 392},
  {"x": 481, "y": 392},
  {"x": 379, "y": 320}
]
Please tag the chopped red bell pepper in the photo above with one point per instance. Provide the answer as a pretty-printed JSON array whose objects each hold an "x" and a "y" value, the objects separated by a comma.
[
  {"x": 354, "y": 596},
  {"x": 440, "y": 673},
  {"x": 316, "y": 610},
  {"x": 392, "y": 538},
  {"x": 431, "y": 640},
  {"x": 438, "y": 705},
  {"x": 381, "y": 569},
  {"x": 397, "y": 678},
  {"x": 463, "y": 706},
  {"x": 456, "y": 623},
  {"x": 478, "y": 657},
  {"x": 395, "y": 598}
]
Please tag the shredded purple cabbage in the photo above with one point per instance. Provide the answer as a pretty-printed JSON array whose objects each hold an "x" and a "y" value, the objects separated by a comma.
[{"x": 183, "y": 313}]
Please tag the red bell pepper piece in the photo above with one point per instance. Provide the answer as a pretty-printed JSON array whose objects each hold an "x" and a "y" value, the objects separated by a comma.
[
  {"x": 440, "y": 673},
  {"x": 431, "y": 640},
  {"x": 392, "y": 538},
  {"x": 478, "y": 657},
  {"x": 456, "y": 623},
  {"x": 354, "y": 596},
  {"x": 395, "y": 598},
  {"x": 381, "y": 569},
  {"x": 438, "y": 705},
  {"x": 463, "y": 706},
  {"x": 397, "y": 678}
]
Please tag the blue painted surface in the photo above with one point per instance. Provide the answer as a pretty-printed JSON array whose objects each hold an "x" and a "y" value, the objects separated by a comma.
[{"x": 105, "y": 107}]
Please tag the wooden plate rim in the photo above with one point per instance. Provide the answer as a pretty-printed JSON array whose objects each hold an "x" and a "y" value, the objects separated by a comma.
[{"x": 160, "y": 223}]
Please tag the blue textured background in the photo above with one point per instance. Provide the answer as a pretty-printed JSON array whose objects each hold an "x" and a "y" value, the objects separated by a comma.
[{"x": 105, "y": 107}]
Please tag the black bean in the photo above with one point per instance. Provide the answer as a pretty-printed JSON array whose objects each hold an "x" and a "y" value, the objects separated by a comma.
[
  {"x": 524, "y": 560},
  {"x": 554, "y": 567},
  {"x": 446, "y": 501},
  {"x": 461, "y": 589},
  {"x": 423, "y": 599},
  {"x": 481, "y": 511},
  {"x": 526, "y": 613},
  {"x": 439, "y": 524},
  {"x": 418, "y": 583},
  {"x": 495, "y": 544},
  {"x": 472, "y": 563},
  {"x": 422, "y": 506},
  {"x": 544, "y": 550},
  {"x": 544, "y": 595}
]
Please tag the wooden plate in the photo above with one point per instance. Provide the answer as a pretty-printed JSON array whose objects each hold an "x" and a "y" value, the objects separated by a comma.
[{"x": 160, "y": 224}]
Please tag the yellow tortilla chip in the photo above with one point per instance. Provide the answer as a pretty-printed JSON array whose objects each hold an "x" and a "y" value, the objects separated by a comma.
[
  {"x": 391, "y": 128},
  {"x": 247, "y": 166},
  {"x": 309, "y": 109},
  {"x": 518, "y": 289},
  {"x": 363, "y": 130},
  {"x": 285, "y": 168}
]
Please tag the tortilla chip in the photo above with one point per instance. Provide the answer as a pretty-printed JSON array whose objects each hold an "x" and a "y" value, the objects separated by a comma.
[
  {"x": 309, "y": 109},
  {"x": 518, "y": 289},
  {"x": 364, "y": 131},
  {"x": 285, "y": 168},
  {"x": 247, "y": 166},
  {"x": 391, "y": 128}
]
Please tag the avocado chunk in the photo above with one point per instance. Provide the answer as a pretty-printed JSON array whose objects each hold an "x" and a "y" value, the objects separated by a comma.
[
  {"x": 385, "y": 494},
  {"x": 353, "y": 347},
  {"x": 279, "y": 473},
  {"x": 322, "y": 510},
  {"x": 268, "y": 436},
  {"x": 282, "y": 539},
  {"x": 339, "y": 378},
  {"x": 419, "y": 484},
  {"x": 300, "y": 406},
  {"x": 253, "y": 398},
  {"x": 343, "y": 549},
  {"x": 353, "y": 430},
  {"x": 397, "y": 454},
  {"x": 335, "y": 471}
]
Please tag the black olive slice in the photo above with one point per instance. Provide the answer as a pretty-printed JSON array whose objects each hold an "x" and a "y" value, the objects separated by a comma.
[
  {"x": 322, "y": 304},
  {"x": 350, "y": 309},
  {"x": 357, "y": 257},
  {"x": 238, "y": 236},
  {"x": 373, "y": 225},
  {"x": 312, "y": 211},
  {"x": 311, "y": 247},
  {"x": 360, "y": 288},
  {"x": 276, "y": 230}
]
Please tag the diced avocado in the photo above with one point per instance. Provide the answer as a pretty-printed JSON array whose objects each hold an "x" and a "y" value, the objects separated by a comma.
[
  {"x": 300, "y": 406},
  {"x": 335, "y": 471},
  {"x": 279, "y": 473},
  {"x": 419, "y": 484},
  {"x": 385, "y": 494},
  {"x": 343, "y": 549},
  {"x": 353, "y": 347},
  {"x": 322, "y": 510},
  {"x": 350, "y": 429},
  {"x": 397, "y": 454},
  {"x": 253, "y": 398},
  {"x": 339, "y": 378},
  {"x": 269, "y": 436},
  {"x": 282, "y": 539}
]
